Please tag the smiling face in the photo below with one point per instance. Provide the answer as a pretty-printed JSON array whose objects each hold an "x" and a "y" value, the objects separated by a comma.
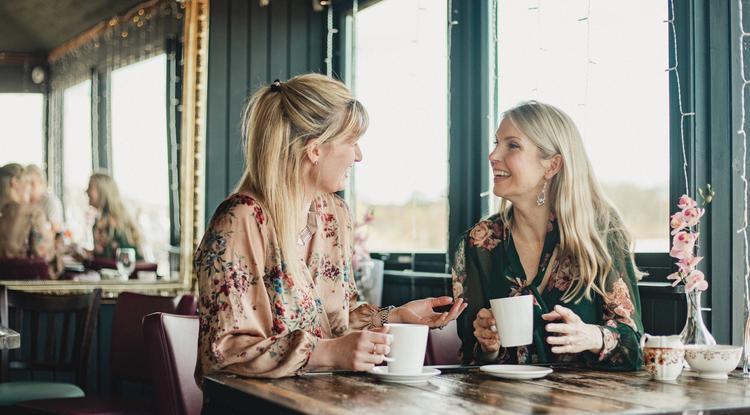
[
  {"x": 518, "y": 168},
  {"x": 335, "y": 159}
]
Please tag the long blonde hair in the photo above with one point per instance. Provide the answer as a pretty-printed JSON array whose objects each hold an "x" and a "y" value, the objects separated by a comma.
[
  {"x": 278, "y": 124},
  {"x": 8, "y": 173},
  {"x": 110, "y": 204},
  {"x": 587, "y": 219}
]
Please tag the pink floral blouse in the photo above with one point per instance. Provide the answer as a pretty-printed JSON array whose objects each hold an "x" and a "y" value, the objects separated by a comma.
[{"x": 258, "y": 320}]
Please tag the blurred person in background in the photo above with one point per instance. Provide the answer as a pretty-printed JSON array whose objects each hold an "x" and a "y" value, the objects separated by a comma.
[
  {"x": 44, "y": 198},
  {"x": 113, "y": 227},
  {"x": 25, "y": 231}
]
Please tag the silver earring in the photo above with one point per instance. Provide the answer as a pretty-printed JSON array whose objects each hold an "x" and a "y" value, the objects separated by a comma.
[
  {"x": 315, "y": 163},
  {"x": 542, "y": 196}
]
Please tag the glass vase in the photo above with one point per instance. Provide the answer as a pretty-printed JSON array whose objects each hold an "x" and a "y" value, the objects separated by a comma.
[{"x": 695, "y": 331}]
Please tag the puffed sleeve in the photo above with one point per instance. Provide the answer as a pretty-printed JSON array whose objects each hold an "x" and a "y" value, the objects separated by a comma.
[
  {"x": 621, "y": 324},
  {"x": 242, "y": 329},
  {"x": 470, "y": 291},
  {"x": 361, "y": 315}
]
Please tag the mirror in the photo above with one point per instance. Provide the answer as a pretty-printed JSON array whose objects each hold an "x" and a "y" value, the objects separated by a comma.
[{"x": 127, "y": 97}]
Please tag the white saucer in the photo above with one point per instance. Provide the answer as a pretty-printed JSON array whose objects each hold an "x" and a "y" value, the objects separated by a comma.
[
  {"x": 516, "y": 371},
  {"x": 381, "y": 372}
]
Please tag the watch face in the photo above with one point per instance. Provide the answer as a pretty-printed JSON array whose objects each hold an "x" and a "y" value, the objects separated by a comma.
[{"x": 38, "y": 75}]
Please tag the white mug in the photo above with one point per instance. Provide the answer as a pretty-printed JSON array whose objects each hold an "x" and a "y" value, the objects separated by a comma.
[
  {"x": 407, "y": 348},
  {"x": 514, "y": 318}
]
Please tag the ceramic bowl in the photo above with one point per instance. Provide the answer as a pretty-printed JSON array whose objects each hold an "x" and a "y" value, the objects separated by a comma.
[{"x": 713, "y": 362}]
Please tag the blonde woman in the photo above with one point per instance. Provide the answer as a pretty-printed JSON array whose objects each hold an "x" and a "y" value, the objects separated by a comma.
[
  {"x": 113, "y": 227},
  {"x": 24, "y": 229},
  {"x": 40, "y": 195},
  {"x": 557, "y": 238},
  {"x": 277, "y": 294}
]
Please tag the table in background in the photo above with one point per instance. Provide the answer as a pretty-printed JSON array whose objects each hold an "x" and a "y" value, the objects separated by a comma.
[{"x": 567, "y": 390}]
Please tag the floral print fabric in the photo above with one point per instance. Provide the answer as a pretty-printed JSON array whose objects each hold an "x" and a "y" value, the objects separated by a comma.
[
  {"x": 26, "y": 233},
  {"x": 257, "y": 319},
  {"x": 486, "y": 265},
  {"x": 108, "y": 237}
]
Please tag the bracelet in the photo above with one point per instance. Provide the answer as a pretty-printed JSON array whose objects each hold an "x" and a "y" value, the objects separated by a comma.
[{"x": 383, "y": 314}]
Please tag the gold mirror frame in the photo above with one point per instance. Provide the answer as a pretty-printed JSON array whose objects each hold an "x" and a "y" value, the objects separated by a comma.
[{"x": 192, "y": 162}]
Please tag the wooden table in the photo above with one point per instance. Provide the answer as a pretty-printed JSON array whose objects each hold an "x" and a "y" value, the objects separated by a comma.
[
  {"x": 566, "y": 391},
  {"x": 9, "y": 339}
]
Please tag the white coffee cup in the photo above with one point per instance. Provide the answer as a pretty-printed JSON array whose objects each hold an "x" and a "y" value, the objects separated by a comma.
[
  {"x": 407, "y": 348},
  {"x": 514, "y": 318}
]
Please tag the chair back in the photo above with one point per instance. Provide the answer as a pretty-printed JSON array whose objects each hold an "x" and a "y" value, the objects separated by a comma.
[
  {"x": 56, "y": 331},
  {"x": 128, "y": 353},
  {"x": 443, "y": 345},
  {"x": 188, "y": 305},
  {"x": 24, "y": 269},
  {"x": 171, "y": 343}
]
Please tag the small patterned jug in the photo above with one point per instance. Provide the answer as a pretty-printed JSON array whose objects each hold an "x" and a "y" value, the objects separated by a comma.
[{"x": 663, "y": 356}]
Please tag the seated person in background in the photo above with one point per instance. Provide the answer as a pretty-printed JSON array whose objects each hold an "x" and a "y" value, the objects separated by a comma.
[
  {"x": 24, "y": 229},
  {"x": 43, "y": 197},
  {"x": 113, "y": 227},
  {"x": 556, "y": 237}
]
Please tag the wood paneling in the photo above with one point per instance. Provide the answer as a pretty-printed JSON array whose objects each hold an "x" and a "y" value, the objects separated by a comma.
[{"x": 250, "y": 46}]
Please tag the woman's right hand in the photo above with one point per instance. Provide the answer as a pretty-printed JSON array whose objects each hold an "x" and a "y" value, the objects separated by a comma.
[
  {"x": 358, "y": 350},
  {"x": 486, "y": 332}
]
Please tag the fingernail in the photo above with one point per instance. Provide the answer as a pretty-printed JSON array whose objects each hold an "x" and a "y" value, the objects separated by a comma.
[
  {"x": 387, "y": 349},
  {"x": 493, "y": 328},
  {"x": 389, "y": 339}
]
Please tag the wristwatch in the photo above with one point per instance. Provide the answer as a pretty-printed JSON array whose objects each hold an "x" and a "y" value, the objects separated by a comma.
[{"x": 383, "y": 314}]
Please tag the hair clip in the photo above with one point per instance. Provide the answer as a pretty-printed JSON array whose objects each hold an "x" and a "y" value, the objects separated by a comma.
[{"x": 276, "y": 86}]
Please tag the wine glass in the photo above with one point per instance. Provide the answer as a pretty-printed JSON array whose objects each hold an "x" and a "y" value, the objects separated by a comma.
[{"x": 125, "y": 262}]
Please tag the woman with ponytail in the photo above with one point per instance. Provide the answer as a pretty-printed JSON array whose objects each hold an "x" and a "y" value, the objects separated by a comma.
[
  {"x": 556, "y": 237},
  {"x": 277, "y": 293}
]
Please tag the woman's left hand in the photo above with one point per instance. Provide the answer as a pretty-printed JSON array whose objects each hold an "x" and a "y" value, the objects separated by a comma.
[
  {"x": 573, "y": 335},
  {"x": 421, "y": 311}
]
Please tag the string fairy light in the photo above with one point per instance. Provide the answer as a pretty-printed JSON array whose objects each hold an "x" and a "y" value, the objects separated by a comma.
[
  {"x": 743, "y": 177},
  {"x": 329, "y": 41},
  {"x": 683, "y": 114}
]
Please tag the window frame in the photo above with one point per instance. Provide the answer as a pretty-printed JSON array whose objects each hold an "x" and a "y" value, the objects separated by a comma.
[
  {"x": 709, "y": 70},
  {"x": 101, "y": 134}
]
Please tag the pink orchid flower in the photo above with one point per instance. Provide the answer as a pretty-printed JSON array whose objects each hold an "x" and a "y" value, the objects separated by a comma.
[
  {"x": 676, "y": 276},
  {"x": 696, "y": 280},
  {"x": 692, "y": 215},
  {"x": 677, "y": 222},
  {"x": 682, "y": 244},
  {"x": 686, "y": 202},
  {"x": 688, "y": 263}
]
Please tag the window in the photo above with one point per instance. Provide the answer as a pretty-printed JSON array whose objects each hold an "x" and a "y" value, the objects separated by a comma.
[
  {"x": 400, "y": 75},
  {"x": 22, "y": 121},
  {"x": 139, "y": 151},
  {"x": 604, "y": 66},
  {"x": 77, "y": 162}
]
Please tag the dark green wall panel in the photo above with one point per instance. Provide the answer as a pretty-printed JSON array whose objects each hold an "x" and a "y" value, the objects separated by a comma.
[{"x": 250, "y": 46}]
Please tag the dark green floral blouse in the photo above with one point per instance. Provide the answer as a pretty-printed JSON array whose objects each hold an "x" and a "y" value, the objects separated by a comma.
[
  {"x": 487, "y": 265},
  {"x": 109, "y": 236}
]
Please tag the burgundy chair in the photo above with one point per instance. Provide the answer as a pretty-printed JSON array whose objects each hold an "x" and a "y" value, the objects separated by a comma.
[
  {"x": 57, "y": 338},
  {"x": 171, "y": 343},
  {"x": 188, "y": 306},
  {"x": 24, "y": 269},
  {"x": 128, "y": 362},
  {"x": 443, "y": 345}
]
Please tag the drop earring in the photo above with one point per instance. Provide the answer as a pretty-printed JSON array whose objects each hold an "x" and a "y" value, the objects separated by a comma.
[{"x": 542, "y": 198}]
